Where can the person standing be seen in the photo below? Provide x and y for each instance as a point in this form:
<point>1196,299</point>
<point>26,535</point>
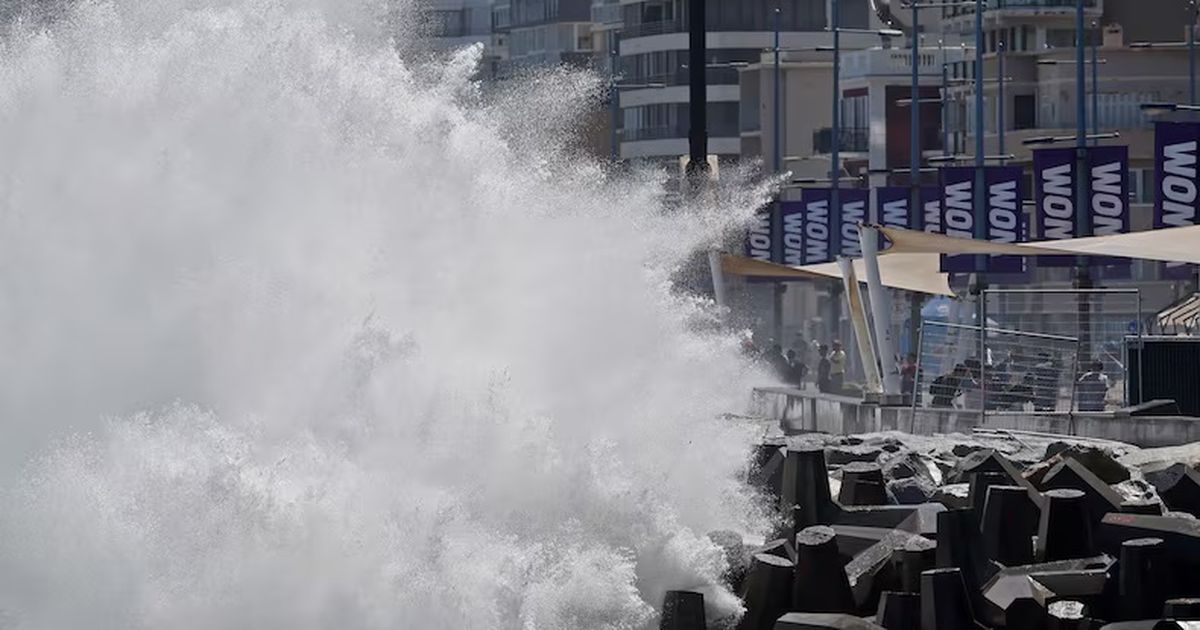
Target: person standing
<point>796,369</point>
<point>1092,389</point>
<point>908,374</point>
<point>823,368</point>
<point>837,368</point>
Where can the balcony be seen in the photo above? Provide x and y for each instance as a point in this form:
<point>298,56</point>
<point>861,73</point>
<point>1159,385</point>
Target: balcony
<point>652,28</point>
<point>968,8</point>
<point>851,140</point>
<point>653,133</point>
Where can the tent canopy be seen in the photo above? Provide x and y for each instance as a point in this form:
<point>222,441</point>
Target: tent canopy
<point>913,262</point>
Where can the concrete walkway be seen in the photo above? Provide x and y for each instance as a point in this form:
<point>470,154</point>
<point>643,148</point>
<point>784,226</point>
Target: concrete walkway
<point>799,411</point>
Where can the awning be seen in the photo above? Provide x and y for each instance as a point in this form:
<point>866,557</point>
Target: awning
<point>1179,244</point>
<point>908,272</point>
<point>913,262</point>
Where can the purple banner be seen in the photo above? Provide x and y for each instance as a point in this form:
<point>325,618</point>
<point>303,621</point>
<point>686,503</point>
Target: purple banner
<point>792,222</point>
<point>1175,145</point>
<point>957,184</point>
<point>891,206</point>
<point>931,203</point>
<point>1054,195</point>
<point>820,238</point>
<point>1003,214</point>
<point>760,237</point>
<point>853,210</point>
<point>1108,202</point>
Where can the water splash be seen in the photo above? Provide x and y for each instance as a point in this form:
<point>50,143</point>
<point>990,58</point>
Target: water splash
<point>306,336</point>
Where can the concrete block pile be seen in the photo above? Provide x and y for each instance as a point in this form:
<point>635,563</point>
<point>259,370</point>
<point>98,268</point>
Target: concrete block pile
<point>908,539</point>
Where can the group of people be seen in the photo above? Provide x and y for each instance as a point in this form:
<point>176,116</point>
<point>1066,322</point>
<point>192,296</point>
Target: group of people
<point>1013,384</point>
<point>1010,384</point>
<point>792,369</point>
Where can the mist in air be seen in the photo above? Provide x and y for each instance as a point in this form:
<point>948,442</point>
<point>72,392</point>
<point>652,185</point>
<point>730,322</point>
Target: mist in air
<point>300,328</point>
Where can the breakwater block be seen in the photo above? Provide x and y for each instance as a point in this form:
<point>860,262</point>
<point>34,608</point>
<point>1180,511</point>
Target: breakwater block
<point>1099,497</point>
<point>862,484</point>
<point>1067,615</point>
<point>899,611</point>
<point>1010,521</point>
<point>945,604</point>
<point>959,546</point>
<point>767,591</point>
<point>1179,487</point>
<point>977,489</point>
<point>823,621</point>
<point>821,583</point>
<point>1141,585</point>
<point>682,610</point>
<point>805,490</point>
<point>1182,608</point>
<point>1065,528</point>
<point>988,461</point>
<point>878,568</point>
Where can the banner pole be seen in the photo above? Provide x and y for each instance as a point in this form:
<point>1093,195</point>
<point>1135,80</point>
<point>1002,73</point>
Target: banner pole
<point>718,278</point>
<point>881,309</point>
<point>858,316</point>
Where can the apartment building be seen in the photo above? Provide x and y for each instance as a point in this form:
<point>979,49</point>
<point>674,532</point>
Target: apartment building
<point>654,49</point>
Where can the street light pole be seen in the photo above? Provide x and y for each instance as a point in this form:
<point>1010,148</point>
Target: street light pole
<point>777,158</point>
<point>916,217</point>
<point>777,288</point>
<point>614,104</point>
<point>1000,101</point>
<point>835,166</point>
<point>697,167</point>
<point>1082,214</point>
<point>945,109</point>
<point>1095,87</point>
<point>1191,40</point>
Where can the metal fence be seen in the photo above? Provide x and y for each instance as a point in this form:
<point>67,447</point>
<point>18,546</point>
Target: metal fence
<point>1008,370</point>
<point>1101,319</point>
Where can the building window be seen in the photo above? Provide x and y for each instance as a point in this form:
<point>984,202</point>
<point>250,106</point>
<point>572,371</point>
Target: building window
<point>1024,111</point>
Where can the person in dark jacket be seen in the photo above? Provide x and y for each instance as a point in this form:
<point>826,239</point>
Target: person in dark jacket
<point>823,366</point>
<point>797,370</point>
<point>1092,388</point>
<point>945,388</point>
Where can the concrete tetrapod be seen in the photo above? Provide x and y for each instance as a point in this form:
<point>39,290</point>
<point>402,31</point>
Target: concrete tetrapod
<point>767,591</point>
<point>1065,528</point>
<point>1182,608</point>
<point>820,584</point>
<point>1067,615</point>
<point>683,610</point>
<point>862,484</point>
<point>1141,588</point>
<point>899,611</point>
<point>1010,521</point>
<point>959,546</point>
<point>944,601</point>
<point>806,487</point>
<point>1099,498</point>
<point>823,621</point>
<point>977,489</point>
